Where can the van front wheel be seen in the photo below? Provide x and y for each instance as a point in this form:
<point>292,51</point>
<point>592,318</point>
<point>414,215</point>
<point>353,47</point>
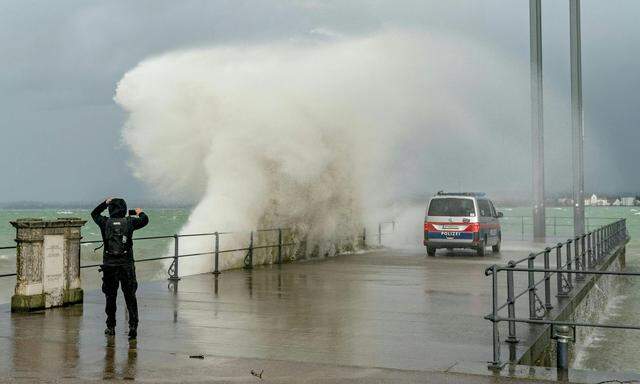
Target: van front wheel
<point>431,251</point>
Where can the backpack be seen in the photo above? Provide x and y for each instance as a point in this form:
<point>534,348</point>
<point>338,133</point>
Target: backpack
<point>116,235</point>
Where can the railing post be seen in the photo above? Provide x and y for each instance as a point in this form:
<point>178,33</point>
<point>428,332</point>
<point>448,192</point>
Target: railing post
<point>216,253</point>
<point>560,287</point>
<point>597,247</point>
<point>592,238</point>
<point>279,245</point>
<point>495,364</point>
<point>594,246</point>
<point>364,237</point>
<point>576,257</point>
<point>601,246</point>
<point>547,280</point>
<point>583,253</point>
<point>590,262</point>
<point>532,288</point>
<point>379,234</point>
<point>511,305</point>
<point>569,264</point>
<point>173,268</point>
<point>248,260</point>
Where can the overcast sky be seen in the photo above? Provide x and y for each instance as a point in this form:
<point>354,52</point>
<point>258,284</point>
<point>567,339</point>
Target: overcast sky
<point>60,62</point>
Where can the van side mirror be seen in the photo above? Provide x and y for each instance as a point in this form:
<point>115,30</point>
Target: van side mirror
<point>499,215</point>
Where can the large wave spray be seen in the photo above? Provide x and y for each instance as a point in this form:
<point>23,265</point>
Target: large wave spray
<point>304,133</point>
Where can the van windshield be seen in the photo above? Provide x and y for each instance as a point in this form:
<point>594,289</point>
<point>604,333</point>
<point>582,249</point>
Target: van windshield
<point>451,207</point>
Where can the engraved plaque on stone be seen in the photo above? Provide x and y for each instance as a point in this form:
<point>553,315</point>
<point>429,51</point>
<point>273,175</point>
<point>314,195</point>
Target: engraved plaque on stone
<point>53,279</point>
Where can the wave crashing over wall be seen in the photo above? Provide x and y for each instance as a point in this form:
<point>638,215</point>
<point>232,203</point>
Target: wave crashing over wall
<point>304,134</point>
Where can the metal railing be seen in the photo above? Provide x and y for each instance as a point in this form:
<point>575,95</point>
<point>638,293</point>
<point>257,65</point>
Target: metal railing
<point>215,252</point>
<point>575,259</point>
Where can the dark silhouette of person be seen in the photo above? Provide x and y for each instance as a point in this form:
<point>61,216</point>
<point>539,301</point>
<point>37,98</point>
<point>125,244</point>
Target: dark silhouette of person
<point>117,259</point>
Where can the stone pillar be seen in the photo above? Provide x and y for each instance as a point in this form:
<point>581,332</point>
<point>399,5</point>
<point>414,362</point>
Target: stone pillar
<point>47,263</point>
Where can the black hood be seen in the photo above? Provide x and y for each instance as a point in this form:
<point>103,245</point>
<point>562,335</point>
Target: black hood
<point>117,208</point>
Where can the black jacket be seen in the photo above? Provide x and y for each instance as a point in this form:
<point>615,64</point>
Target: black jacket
<point>118,209</point>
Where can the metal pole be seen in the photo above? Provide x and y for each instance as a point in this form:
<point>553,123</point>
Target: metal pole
<point>577,117</point>
<point>216,252</point>
<point>522,227</point>
<point>563,337</point>
<point>380,234</point>
<point>537,118</point>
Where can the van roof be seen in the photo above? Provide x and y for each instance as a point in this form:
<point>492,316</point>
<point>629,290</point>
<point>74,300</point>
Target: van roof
<point>467,194</point>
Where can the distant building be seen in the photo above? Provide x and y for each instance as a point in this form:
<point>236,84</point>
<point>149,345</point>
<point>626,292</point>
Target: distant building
<point>628,201</point>
<point>595,201</point>
<point>617,203</point>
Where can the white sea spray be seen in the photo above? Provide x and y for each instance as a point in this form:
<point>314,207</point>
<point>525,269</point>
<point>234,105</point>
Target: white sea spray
<point>312,134</point>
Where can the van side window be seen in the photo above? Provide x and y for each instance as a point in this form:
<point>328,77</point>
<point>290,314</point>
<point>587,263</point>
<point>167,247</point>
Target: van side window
<point>485,208</point>
<point>494,213</point>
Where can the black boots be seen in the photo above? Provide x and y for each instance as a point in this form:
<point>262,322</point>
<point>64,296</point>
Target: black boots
<point>133,332</point>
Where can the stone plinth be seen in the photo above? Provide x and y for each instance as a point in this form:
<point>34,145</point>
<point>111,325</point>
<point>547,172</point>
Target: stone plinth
<point>47,263</point>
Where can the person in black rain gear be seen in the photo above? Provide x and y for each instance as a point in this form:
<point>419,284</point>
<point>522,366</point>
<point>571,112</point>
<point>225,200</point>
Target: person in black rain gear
<point>117,260</point>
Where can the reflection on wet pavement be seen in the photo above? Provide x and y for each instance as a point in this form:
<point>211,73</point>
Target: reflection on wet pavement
<point>386,309</point>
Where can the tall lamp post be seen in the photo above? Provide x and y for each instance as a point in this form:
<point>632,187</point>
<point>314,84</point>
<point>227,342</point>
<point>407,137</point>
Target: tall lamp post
<point>537,119</point>
<point>577,128</point>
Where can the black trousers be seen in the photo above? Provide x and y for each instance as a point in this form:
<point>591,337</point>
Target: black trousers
<point>125,276</point>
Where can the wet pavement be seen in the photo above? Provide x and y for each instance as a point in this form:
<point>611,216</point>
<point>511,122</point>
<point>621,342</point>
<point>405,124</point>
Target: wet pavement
<point>381,316</point>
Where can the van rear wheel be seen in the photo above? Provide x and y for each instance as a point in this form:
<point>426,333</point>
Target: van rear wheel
<point>431,251</point>
<point>496,248</point>
<point>481,247</point>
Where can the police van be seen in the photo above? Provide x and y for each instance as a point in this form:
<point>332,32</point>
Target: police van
<point>461,220</point>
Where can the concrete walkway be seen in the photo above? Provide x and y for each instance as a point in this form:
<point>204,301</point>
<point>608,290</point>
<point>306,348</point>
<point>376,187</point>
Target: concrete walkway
<point>385,316</point>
